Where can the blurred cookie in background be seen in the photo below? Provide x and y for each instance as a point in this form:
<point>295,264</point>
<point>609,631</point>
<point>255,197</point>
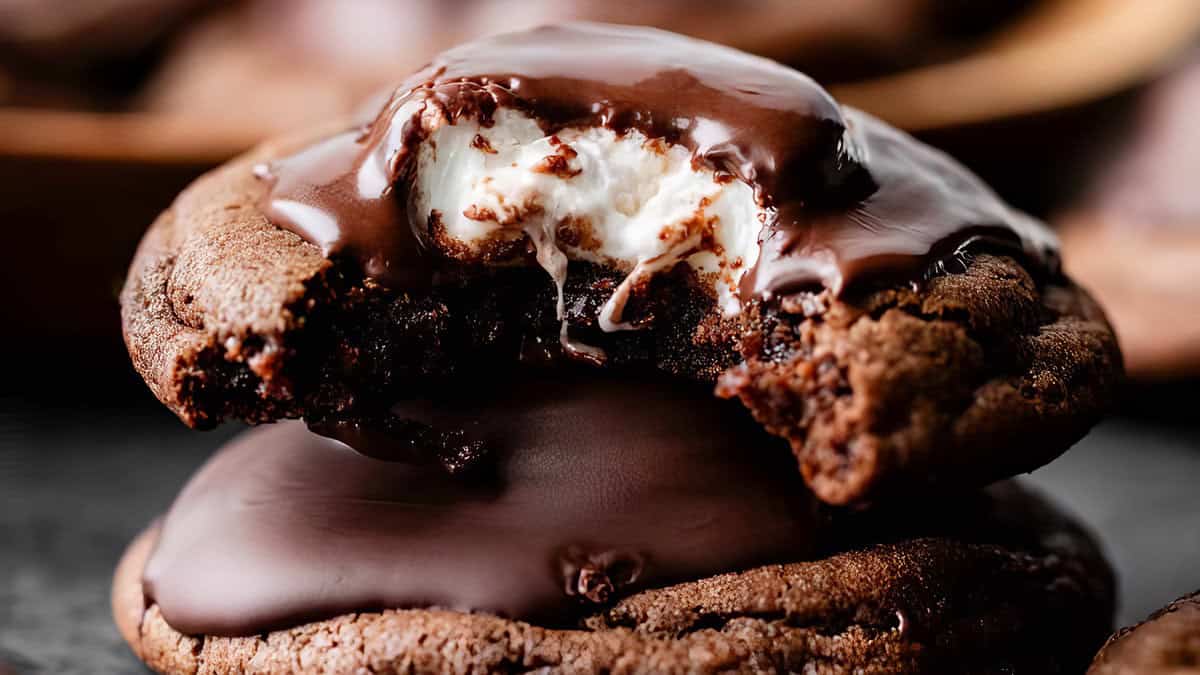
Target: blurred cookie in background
<point>282,63</point>
<point>1031,108</point>
<point>1166,643</point>
<point>1134,237</point>
<point>84,53</point>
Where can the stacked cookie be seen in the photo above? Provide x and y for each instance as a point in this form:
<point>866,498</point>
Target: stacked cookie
<point>615,351</point>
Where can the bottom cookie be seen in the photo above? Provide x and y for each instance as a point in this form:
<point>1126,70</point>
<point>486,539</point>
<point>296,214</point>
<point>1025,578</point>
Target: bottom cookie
<point>998,583</point>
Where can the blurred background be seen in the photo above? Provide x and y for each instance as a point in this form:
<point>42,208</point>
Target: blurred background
<point>1079,111</point>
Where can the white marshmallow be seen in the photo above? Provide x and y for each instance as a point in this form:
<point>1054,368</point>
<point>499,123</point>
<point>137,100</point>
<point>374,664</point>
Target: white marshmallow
<point>645,202</point>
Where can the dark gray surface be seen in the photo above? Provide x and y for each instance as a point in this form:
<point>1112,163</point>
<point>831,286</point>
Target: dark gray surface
<point>76,485</point>
<point>1137,484</point>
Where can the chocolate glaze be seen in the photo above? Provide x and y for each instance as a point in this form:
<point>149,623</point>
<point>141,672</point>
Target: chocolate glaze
<point>847,197</point>
<point>924,206</point>
<point>596,486</point>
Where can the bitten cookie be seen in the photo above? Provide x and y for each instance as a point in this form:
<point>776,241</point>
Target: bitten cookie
<point>676,206</point>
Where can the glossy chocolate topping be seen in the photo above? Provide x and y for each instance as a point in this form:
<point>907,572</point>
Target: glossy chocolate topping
<point>589,488</point>
<point>845,197</point>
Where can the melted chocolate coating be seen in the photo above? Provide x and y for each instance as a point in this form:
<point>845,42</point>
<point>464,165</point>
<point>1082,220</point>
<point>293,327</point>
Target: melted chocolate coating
<point>848,198</point>
<point>924,207</point>
<point>596,486</point>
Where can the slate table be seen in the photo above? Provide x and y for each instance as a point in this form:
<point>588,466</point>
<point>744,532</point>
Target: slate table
<point>77,482</point>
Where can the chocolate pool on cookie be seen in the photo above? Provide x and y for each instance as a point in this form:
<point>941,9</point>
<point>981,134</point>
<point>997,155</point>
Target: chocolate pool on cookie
<point>615,351</point>
<point>287,548</point>
<point>589,488</point>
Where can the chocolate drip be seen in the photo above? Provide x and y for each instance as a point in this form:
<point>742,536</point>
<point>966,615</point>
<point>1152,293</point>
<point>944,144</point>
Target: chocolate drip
<point>337,195</point>
<point>594,487</point>
<point>847,198</point>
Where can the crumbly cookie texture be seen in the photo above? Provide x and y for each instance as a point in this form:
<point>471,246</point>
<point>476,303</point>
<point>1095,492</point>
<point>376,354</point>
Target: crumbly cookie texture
<point>1022,590</point>
<point>977,373</point>
<point>977,376</point>
<point>1166,643</point>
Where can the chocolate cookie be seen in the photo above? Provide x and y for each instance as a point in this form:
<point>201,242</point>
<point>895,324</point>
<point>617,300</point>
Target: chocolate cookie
<point>1000,583</point>
<point>1166,643</point>
<point>866,297</point>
